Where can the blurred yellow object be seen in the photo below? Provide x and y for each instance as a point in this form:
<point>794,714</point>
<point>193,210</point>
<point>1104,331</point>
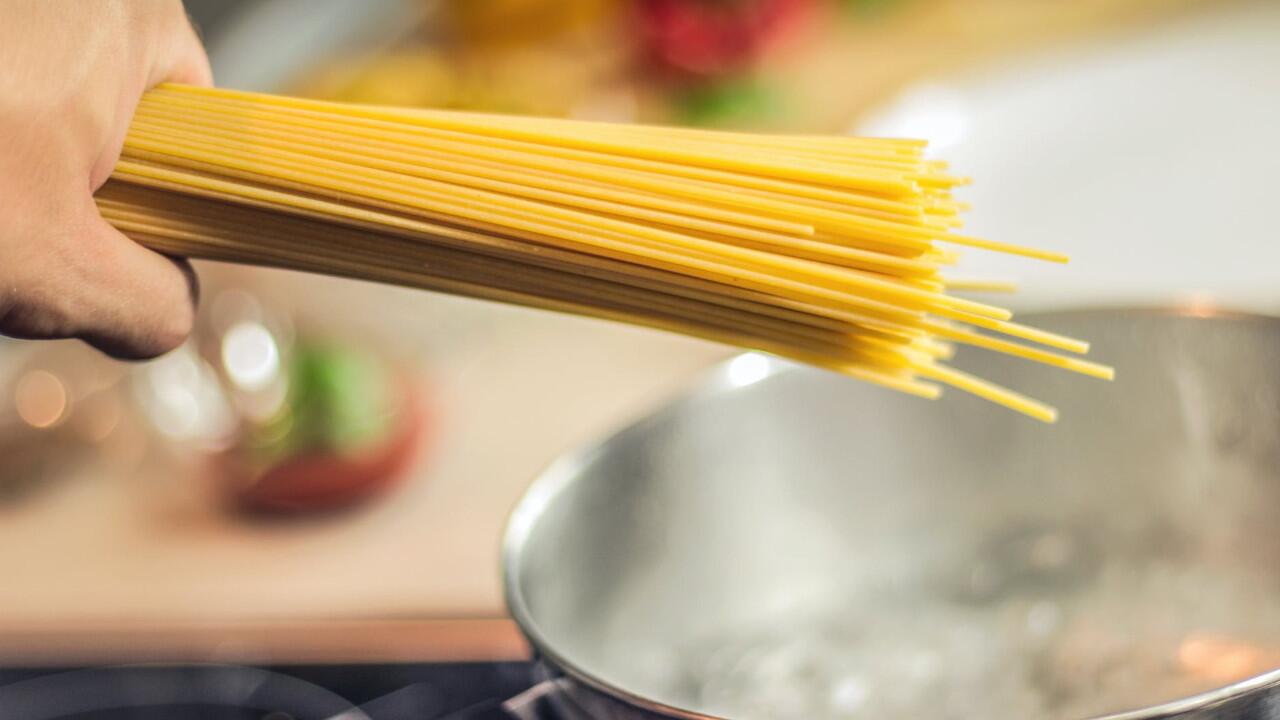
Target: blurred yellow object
<point>408,78</point>
<point>535,57</point>
<point>505,22</point>
<point>528,81</point>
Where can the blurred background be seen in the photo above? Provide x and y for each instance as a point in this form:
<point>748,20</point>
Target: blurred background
<point>323,472</point>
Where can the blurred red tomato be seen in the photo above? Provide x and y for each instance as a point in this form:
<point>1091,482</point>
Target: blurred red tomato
<point>709,38</point>
<point>328,480</point>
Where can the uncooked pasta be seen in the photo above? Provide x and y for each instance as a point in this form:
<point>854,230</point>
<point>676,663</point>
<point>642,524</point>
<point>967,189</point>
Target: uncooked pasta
<point>832,251</point>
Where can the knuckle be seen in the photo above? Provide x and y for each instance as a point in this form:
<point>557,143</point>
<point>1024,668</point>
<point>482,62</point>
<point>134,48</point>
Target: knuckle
<point>175,330</point>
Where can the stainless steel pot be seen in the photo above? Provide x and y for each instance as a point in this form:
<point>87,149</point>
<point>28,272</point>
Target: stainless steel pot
<point>786,543</point>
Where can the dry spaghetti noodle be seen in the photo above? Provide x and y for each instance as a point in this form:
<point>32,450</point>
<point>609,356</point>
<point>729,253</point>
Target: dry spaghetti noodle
<point>827,250</point>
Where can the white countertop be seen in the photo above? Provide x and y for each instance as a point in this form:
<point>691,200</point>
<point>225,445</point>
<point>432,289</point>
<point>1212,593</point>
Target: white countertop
<point>1152,159</point>
<point>511,389</point>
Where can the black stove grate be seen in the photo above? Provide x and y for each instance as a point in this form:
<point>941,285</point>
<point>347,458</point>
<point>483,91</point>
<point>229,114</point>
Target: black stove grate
<point>452,691</point>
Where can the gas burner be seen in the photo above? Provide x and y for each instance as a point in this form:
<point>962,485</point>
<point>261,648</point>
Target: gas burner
<point>460,691</point>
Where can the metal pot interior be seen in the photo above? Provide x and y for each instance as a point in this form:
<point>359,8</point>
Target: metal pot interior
<point>793,544</point>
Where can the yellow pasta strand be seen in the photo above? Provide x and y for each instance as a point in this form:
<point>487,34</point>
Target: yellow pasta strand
<point>825,250</point>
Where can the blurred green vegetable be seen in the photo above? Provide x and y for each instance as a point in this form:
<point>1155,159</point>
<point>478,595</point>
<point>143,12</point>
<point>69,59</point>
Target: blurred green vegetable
<point>338,400</point>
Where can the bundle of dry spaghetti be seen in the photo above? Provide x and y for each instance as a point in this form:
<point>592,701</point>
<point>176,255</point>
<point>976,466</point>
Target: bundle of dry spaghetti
<point>827,250</point>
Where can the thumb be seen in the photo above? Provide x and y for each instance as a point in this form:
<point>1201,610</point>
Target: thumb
<point>134,303</point>
<point>142,303</point>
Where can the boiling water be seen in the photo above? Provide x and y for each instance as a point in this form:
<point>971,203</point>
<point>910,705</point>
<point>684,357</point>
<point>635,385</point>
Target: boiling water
<point>1056,634</point>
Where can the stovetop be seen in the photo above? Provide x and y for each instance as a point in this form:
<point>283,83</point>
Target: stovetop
<point>458,691</point>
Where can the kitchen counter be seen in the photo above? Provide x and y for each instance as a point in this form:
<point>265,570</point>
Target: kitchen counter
<point>511,389</point>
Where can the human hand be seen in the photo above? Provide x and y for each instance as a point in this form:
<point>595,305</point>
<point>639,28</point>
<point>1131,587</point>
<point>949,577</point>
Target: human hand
<point>71,75</point>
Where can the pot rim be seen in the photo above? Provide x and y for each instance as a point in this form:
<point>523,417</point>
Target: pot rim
<point>567,469</point>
